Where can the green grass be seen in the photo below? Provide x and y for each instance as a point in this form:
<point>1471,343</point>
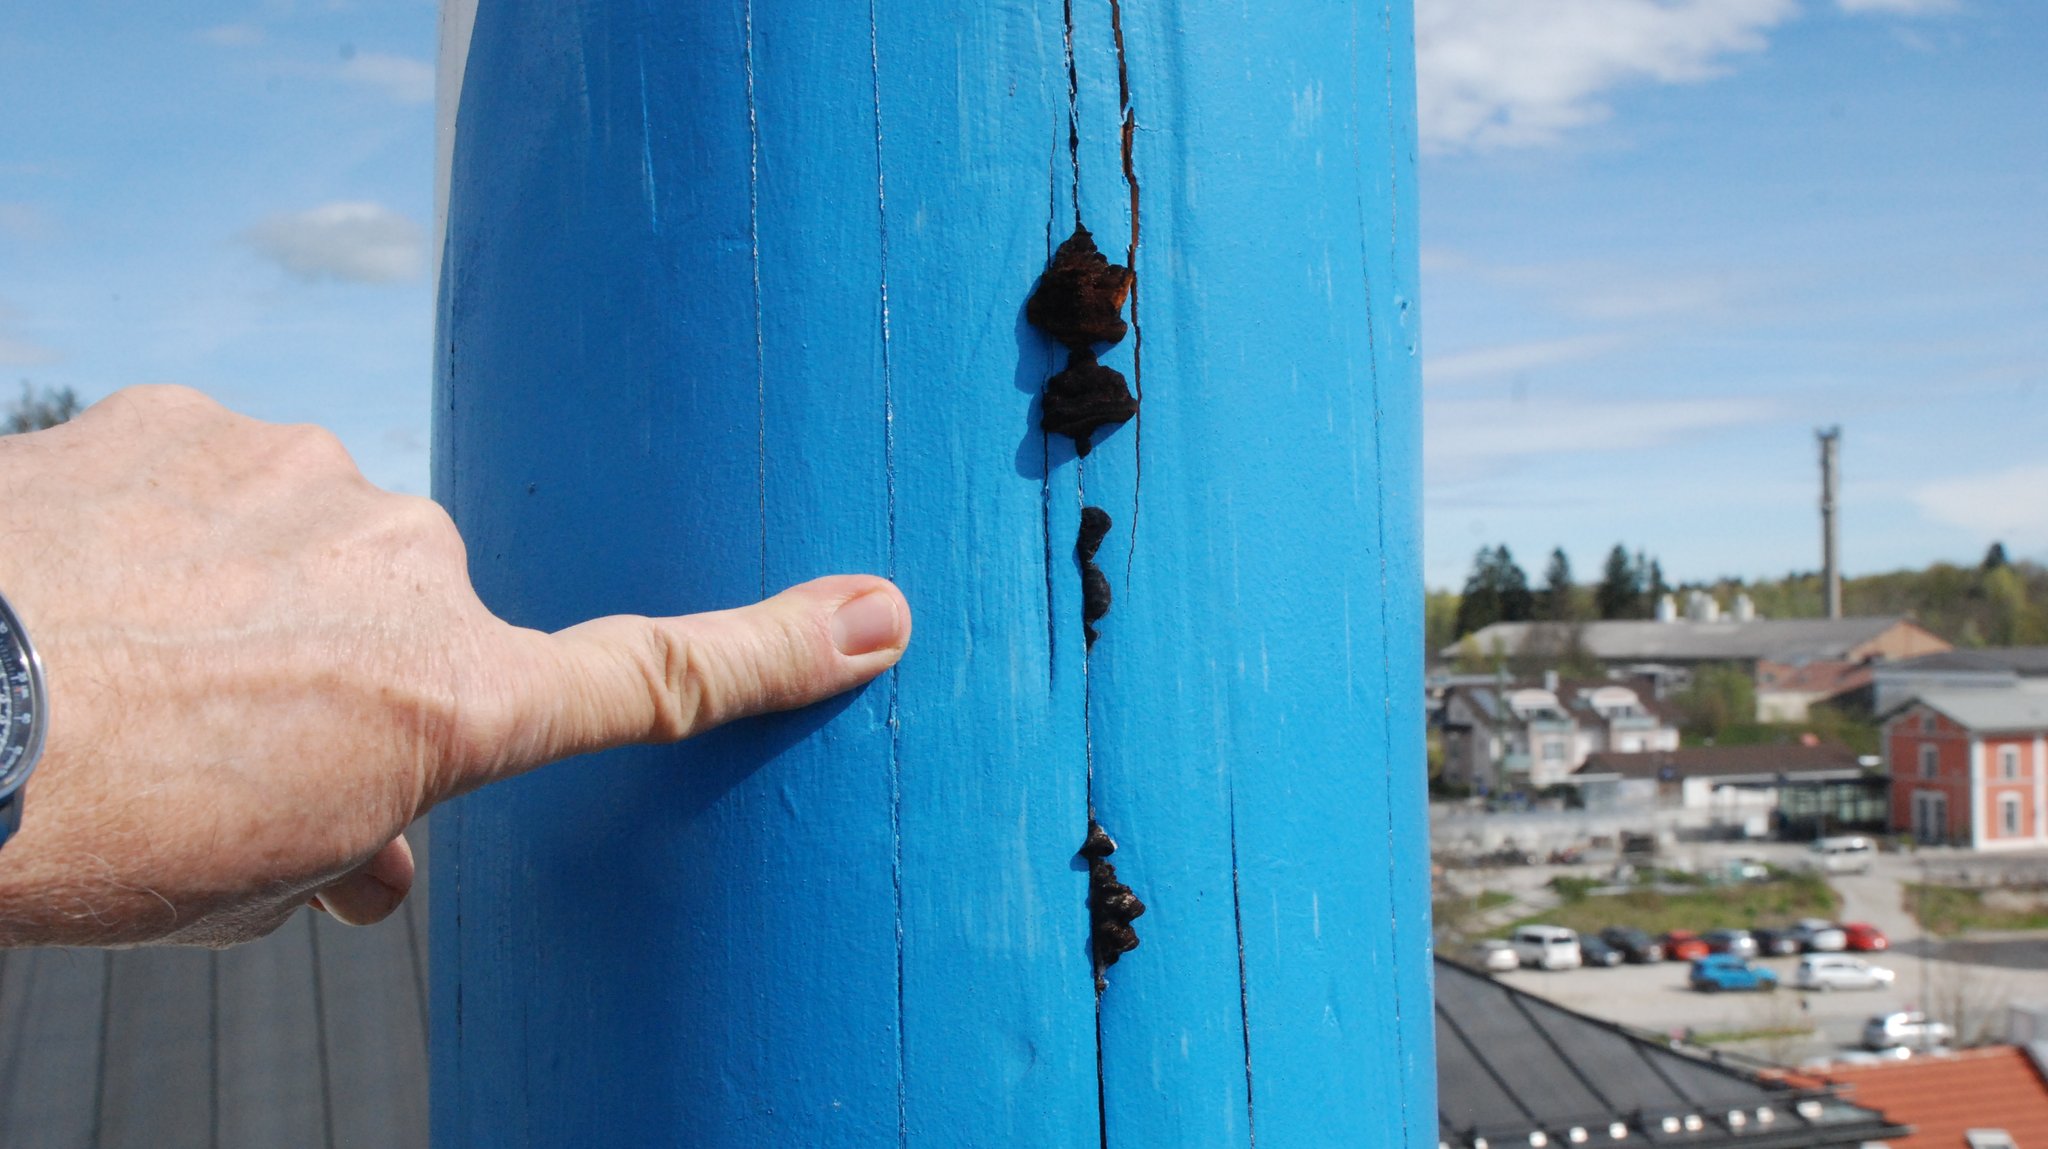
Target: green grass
<point>1741,906</point>
<point>1728,1036</point>
<point>1946,911</point>
<point>1494,899</point>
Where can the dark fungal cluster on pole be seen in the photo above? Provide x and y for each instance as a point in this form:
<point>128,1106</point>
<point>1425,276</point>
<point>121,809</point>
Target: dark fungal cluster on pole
<point>1079,303</point>
<point>1094,584</point>
<point>1112,904</point>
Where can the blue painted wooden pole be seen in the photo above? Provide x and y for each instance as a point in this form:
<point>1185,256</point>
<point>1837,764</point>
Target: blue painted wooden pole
<point>733,296</point>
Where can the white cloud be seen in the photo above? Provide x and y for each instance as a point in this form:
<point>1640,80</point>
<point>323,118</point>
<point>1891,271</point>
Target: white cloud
<point>1465,438</point>
<point>401,79</point>
<point>1510,73</point>
<point>1896,7</point>
<point>2009,503</point>
<point>1514,358</point>
<point>355,242</point>
<point>233,35</point>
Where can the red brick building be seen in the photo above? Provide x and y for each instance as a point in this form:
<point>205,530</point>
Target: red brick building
<point>1970,767</point>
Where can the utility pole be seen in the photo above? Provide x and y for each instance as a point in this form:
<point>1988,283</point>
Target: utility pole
<point>1830,561</point>
<point>733,295</point>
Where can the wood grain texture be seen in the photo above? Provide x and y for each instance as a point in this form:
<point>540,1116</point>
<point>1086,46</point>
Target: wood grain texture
<point>733,297</point>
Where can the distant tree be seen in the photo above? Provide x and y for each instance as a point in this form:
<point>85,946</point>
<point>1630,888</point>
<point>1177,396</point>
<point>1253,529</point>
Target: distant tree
<point>1439,621</point>
<point>39,409</point>
<point>1721,695</point>
<point>1993,558</point>
<point>1496,591</point>
<point>1620,592</point>
<point>1559,600</point>
<point>1654,586</point>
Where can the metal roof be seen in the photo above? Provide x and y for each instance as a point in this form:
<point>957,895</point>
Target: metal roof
<point>314,1037</point>
<point>1776,639</point>
<point>2028,661</point>
<point>1516,1070</point>
<point>2022,706</point>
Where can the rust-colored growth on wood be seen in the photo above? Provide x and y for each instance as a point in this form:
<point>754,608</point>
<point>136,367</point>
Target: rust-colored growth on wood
<point>1080,298</point>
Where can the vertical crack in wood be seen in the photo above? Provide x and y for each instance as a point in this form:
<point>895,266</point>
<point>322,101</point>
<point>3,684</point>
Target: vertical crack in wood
<point>1355,131</point>
<point>1244,992</point>
<point>754,253</point>
<point>889,471</point>
<point>1073,105</point>
<point>1130,124</point>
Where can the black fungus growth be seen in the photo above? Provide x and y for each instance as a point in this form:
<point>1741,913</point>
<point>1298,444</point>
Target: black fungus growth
<point>1094,584</point>
<point>1112,907</point>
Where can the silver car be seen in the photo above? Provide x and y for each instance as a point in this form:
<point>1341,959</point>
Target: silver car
<point>1908,1028</point>
<point>1826,972</point>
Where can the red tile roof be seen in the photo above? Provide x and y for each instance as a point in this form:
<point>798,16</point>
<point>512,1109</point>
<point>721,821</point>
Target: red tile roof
<point>1998,1087</point>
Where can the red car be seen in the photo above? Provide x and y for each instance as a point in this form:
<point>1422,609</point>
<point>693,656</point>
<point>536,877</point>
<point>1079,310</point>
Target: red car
<point>1863,936</point>
<point>1684,945</point>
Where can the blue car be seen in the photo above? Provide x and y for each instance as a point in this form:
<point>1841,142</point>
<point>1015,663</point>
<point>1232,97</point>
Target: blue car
<point>1716,972</point>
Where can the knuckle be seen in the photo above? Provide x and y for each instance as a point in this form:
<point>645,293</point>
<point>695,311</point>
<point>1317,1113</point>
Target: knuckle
<point>681,684</point>
<point>429,523</point>
<point>310,445</point>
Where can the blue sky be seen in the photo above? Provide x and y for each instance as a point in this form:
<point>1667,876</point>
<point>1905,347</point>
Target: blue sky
<point>1662,241</point>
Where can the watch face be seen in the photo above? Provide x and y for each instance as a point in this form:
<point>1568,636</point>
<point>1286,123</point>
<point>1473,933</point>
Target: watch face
<point>21,704</point>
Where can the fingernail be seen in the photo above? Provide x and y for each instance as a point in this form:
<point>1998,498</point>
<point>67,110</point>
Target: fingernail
<point>866,624</point>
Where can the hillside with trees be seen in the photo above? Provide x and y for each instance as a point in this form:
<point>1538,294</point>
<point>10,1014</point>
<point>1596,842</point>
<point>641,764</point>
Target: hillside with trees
<point>1997,602</point>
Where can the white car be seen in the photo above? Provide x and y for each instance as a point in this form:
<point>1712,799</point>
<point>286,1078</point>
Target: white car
<point>1548,947</point>
<point>1824,972</point>
<point>1908,1027</point>
<point>1818,935</point>
<point>1495,955</point>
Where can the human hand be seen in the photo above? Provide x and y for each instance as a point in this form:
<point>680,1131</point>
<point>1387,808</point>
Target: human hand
<point>261,668</point>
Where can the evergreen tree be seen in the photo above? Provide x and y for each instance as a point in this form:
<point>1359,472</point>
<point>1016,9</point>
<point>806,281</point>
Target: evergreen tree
<point>1496,591</point>
<point>1559,601</point>
<point>1994,558</point>
<point>1620,593</point>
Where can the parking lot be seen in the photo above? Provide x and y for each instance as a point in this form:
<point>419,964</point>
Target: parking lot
<point>1791,1027</point>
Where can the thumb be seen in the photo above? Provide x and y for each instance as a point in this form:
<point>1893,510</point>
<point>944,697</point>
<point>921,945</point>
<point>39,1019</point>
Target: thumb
<point>369,893</point>
<point>625,679</point>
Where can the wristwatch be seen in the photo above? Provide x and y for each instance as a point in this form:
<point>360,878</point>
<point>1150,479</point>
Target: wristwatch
<point>24,716</point>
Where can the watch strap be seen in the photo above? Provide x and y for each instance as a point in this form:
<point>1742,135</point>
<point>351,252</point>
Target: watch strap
<point>10,815</point>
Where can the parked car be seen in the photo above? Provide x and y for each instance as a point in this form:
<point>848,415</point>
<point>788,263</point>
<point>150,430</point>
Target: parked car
<point>1684,945</point>
<point>1906,1027</point>
<point>1495,955</point>
<point>1737,942</point>
<point>1818,935</point>
<point>1840,971</point>
<point>1776,941</point>
<point>1594,952</point>
<point>1850,854</point>
<point>1717,972</point>
<point>1863,937</point>
<point>1547,947</point>
<point>1635,945</point>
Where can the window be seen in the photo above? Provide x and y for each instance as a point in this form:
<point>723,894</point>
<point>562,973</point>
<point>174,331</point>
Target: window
<point>1930,760</point>
<point>2008,762</point>
<point>2009,816</point>
<point>1927,723</point>
<point>1553,751</point>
